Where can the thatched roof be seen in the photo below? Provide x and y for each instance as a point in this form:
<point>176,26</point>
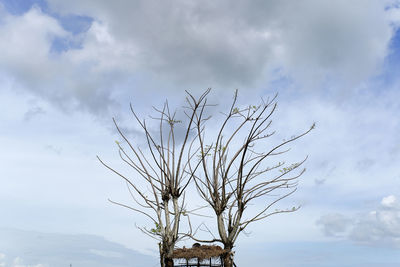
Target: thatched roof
<point>201,252</point>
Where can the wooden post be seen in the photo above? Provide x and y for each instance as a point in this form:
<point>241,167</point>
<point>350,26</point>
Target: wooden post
<point>210,262</point>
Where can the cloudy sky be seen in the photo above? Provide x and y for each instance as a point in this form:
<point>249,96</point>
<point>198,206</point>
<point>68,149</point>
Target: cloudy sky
<point>68,67</point>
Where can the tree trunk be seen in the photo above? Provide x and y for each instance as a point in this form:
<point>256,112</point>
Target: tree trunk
<point>166,259</point>
<point>228,261</point>
<point>162,263</point>
<point>169,262</point>
<point>166,252</point>
<point>228,257</point>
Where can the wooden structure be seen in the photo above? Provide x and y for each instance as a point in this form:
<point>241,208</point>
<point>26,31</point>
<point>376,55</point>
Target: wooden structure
<point>199,256</point>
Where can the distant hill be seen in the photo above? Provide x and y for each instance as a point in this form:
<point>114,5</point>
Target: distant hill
<point>35,249</point>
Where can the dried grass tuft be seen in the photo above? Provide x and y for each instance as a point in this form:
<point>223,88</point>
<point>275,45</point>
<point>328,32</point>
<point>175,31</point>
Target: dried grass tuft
<point>201,252</point>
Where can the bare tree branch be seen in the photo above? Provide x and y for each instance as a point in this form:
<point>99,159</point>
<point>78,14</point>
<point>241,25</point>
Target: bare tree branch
<point>235,172</point>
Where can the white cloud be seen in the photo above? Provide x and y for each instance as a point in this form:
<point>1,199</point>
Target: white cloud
<point>18,262</point>
<point>2,259</point>
<point>103,52</point>
<point>389,201</point>
<point>75,78</point>
<point>27,50</point>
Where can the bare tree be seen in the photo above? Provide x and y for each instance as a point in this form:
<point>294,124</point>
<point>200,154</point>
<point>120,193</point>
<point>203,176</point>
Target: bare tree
<point>234,172</point>
<point>163,167</point>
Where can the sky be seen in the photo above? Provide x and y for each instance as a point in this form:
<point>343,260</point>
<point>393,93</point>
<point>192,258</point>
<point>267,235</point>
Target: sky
<point>68,67</point>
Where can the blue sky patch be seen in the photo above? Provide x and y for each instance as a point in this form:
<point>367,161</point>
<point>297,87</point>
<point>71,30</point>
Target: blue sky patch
<point>74,23</point>
<point>19,7</point>
<point>394,56</point>
<point>391,66</point>
<point>60,45</point>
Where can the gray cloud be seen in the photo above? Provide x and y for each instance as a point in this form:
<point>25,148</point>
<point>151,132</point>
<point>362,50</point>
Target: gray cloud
<point>334,224</point>
<point>33,112</point>
<point>381,226</point>
<point>54,149</point>
<point>190,43</point>
<point>233,43</point>
<point>324,177</point>
<point>365,164</point>
<point>377,227</point>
